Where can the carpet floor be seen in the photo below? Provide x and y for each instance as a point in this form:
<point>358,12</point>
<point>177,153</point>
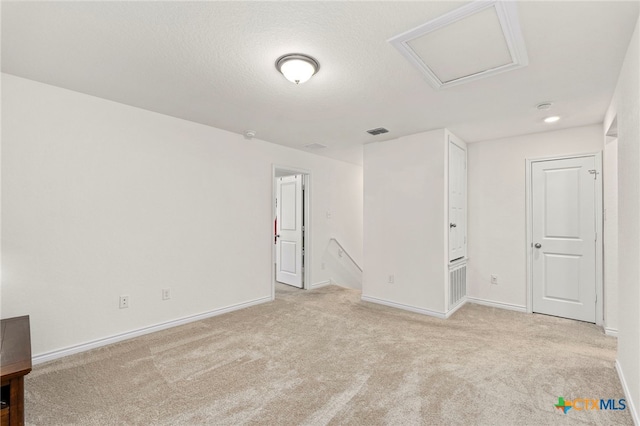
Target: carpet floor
<point>324,357</point>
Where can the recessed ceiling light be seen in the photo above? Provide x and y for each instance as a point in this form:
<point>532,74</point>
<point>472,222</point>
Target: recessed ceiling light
<point>296,67</point>
<point>552,119</point>
<point>544,106</point>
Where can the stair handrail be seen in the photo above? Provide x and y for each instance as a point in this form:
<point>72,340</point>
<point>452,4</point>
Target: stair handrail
<point>347,253</point>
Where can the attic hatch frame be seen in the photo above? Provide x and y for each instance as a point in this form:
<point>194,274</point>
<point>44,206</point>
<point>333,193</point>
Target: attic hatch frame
<point>508,16</point>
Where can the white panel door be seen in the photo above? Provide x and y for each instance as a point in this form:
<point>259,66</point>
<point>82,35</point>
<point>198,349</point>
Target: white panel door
<point>563,238</point>
<point>457,202</point>
<point>289,230</point>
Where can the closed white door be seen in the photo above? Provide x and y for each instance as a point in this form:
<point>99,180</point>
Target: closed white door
<point>564,237</point>
<point>457,202</point>
<point>289,230</point>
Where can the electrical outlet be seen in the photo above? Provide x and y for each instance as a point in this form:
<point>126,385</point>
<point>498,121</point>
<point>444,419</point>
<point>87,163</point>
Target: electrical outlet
<point>124,302</point>
<point>494,279</point>
<point>166,294</point>
<point>391,279</point>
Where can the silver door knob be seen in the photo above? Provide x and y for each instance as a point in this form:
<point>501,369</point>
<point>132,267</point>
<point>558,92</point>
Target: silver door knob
<point>537,245</point>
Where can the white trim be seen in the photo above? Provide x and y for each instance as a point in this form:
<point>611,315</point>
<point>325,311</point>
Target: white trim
<point>499,305</point>
<point>321,284</point>
<point>599,244</point>
<point>404,307</point>
<point>59,353</point>
<point>599,241</point>
<point>529,235</point>
<point>613,332</point>
<point>306,281</point>
<point>460,304</point>
<point>630,405</point>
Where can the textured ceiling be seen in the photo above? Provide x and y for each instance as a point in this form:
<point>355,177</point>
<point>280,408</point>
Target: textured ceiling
<point>213,63</point>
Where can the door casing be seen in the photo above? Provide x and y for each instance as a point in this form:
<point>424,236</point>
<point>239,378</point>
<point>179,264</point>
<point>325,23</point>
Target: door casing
<point>599,242</point>
<point>306,284</point>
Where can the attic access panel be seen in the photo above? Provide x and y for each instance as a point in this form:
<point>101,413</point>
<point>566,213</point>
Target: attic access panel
<point>480,39</point>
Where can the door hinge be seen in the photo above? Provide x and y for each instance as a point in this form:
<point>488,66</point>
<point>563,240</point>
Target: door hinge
<point>596,297</point>
<point>595,173</point>
<point>596,237</point>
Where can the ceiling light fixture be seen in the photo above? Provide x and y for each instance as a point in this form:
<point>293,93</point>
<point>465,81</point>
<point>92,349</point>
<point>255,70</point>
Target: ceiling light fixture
<point>296,67</point>
<point>545,106</point>
<point>552,119</point>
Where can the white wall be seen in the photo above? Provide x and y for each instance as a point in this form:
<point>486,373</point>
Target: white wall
<point>101,199</point>
<point>626,107</point>
<point>497,214</point>
<point>404,193</point>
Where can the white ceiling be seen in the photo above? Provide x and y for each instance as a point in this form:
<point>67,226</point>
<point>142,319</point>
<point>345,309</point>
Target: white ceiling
<point>213,63</point>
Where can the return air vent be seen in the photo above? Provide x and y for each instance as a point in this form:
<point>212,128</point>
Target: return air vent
<point>315,146</point>
<point>478,40</point>
<point>378,131</point>
<point>457,284</point>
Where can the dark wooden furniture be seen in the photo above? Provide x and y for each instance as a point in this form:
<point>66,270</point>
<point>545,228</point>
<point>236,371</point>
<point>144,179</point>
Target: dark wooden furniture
<point>15,363</point>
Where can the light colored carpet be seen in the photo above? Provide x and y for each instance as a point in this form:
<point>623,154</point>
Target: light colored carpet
<point>324,357</point>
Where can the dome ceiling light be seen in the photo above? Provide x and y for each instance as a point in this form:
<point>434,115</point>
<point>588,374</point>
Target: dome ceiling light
<point>296,67</point>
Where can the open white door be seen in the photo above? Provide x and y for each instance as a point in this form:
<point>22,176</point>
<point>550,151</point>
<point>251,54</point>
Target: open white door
<point>289,230</point>
<point>457,202</point>
<point>563,261</point>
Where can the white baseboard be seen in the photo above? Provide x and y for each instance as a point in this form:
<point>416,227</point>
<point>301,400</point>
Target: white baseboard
<point>321,284</point>
<point>500,305</point>
<point>613,332</point>
<point>402,306</point>
<point>630,405</point>
<point>59,353</point>
<point>455,308</point>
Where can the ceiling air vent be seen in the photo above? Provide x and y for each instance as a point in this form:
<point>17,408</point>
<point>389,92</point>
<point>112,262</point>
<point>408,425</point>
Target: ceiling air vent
<point>315,146</point>
<point>480,39</point>
<point>378,131</point>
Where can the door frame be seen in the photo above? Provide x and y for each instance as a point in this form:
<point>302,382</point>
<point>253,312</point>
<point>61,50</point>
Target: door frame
<point>306,181</point>
<point>599,242</point>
